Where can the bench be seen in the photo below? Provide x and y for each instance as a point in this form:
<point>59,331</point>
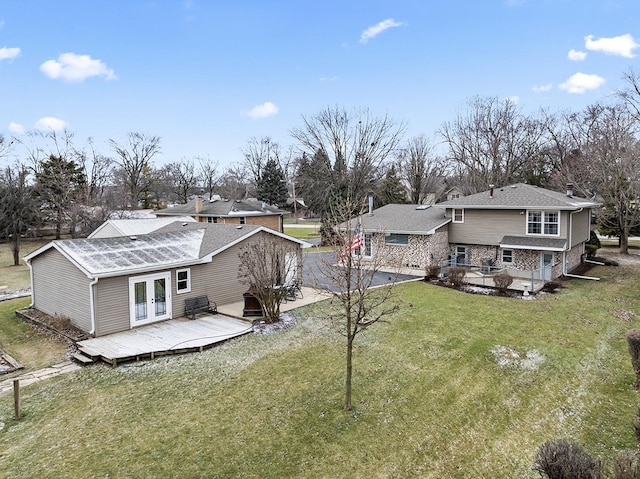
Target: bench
<point>199,304</point>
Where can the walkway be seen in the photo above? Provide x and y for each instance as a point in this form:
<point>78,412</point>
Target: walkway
<point>6,386</point>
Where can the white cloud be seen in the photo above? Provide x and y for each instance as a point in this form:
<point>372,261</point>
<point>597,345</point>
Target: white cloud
<point>17,128</point>
<point>325,79</point>
<point>542,88</point>
<point>51,123</point>
<point>9,53</point>
<point>622,45</point>
<point>1,23</point>
<point>513,99</point>
<point>576,55</point>
<point>72,67</point>
<point>581,82</point>
<point>263,111</point>
<point>376,30</point>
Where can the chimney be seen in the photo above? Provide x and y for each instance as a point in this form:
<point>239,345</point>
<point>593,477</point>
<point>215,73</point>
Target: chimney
<point>490,191</point>
<point>370,204</point>
<point>569,189</point>
<point>198,204</point>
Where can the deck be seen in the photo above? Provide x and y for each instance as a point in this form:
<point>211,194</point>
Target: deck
<point>167,337</point>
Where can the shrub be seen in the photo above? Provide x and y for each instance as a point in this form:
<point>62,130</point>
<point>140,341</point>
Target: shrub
<point>432,271</point>
<point>592,245</point>
<point>551,286</point>
<point>633,342</point>
<point>456,276</point>
<point>502,281</point>
<point>563,459</point>
<point>626,465</point>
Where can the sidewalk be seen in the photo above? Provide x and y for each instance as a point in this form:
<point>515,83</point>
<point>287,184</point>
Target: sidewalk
<point>6,386</point>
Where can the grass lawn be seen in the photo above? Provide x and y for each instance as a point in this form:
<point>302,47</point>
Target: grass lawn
<point>302,233</point>
<point>431,399</point>
<point>16,277</point>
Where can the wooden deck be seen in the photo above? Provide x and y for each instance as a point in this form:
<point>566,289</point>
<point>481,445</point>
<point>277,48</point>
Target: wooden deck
<point>167,337</point>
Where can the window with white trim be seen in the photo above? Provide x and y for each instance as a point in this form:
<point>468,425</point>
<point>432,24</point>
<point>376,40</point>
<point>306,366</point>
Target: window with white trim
<point>243,220</point>
<point>457,215</point>
<point>212,219</point>
<point>507,256</point>
<point>543,222</point>
<point>183,281</point>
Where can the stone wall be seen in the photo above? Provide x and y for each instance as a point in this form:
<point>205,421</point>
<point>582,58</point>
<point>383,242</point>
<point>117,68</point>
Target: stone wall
<point>422,250</point>
<point>574,257</point>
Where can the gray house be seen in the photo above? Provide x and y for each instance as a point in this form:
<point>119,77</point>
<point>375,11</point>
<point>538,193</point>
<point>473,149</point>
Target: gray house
<point>520,228</point>
<point>107,285</point>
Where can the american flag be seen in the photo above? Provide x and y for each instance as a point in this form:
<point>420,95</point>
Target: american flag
<point>357,240</point>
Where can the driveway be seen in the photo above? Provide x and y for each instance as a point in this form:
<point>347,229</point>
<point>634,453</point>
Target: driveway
<point>313,277</point>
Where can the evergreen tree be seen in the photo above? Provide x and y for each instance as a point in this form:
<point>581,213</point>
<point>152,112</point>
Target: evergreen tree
<point>272,186</point>
<point>18,211</point>
<point>392,190</point>
<point>59,184</point>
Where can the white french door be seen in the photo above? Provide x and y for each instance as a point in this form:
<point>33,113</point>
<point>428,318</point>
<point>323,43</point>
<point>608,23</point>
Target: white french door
<point>149,298</point>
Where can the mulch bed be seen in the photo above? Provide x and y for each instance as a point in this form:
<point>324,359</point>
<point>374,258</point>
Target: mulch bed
<point>56,325</point>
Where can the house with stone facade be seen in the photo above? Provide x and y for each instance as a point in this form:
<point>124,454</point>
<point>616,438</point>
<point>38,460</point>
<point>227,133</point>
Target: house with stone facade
<point>414,236</point>
<point>520,228</point>
<point>235,212</point>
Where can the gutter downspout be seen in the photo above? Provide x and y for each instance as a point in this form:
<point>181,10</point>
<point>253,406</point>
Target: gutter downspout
<point>30,281</point>
<point>92,306</point>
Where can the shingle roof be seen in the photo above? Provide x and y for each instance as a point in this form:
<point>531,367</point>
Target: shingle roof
<point>518,196</point>
<point>222,208</point>
<point>395,218</point>
<point>128,227</point>
<point>532,242</point>
<point>177,244</point>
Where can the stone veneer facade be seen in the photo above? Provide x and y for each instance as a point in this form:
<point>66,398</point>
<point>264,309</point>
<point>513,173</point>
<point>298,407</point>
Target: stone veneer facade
<point>422,250</point>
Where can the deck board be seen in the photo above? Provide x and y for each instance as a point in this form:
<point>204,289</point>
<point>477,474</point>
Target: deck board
<point>164,337</point>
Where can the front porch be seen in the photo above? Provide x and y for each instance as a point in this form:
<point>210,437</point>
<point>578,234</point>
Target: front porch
<point>173,336</point>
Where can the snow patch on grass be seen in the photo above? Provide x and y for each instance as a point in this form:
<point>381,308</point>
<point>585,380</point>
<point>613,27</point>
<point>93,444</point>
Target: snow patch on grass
<point>505,357</point>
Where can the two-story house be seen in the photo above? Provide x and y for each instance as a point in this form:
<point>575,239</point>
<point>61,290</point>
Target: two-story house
<point>521,228</point>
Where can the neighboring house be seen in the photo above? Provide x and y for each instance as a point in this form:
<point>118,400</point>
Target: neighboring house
<point>520,228</point>
<point>133,227</point>
<point>107,285</point>
<point>229,212</point>
<point>414,236</point>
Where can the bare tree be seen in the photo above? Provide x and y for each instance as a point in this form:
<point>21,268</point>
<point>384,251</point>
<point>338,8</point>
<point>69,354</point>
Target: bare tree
<point>348,279</point>
<point>267,265</point>
<point>234,184</point>
<point>208,173</point>
<point>492,142</point>
<point>355,144</point>
<point>182,178</point>
<point>420,168</point>
<point>135,158</point>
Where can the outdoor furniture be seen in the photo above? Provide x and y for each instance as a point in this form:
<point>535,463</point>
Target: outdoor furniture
<point>199,304</point>
<point>252,307</point>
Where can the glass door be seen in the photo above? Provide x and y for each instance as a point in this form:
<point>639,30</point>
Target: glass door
<point>149,298</point>
<point>546,265</point>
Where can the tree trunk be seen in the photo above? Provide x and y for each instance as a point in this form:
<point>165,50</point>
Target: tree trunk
<point>624,240</point>
<point>347,385</point>
<point>15,247</point>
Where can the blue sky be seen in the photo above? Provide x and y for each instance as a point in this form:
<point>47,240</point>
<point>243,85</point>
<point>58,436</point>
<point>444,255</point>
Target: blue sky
<point>207,76</point>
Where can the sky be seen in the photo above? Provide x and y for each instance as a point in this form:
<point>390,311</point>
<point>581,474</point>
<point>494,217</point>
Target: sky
<point>207,76</point>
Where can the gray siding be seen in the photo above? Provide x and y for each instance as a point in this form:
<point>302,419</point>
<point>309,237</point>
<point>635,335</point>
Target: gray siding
<point>107,231</point>
<point>112,305</point>
<point>488,227</point>
<point>581,227</point>
<point>59,288</point>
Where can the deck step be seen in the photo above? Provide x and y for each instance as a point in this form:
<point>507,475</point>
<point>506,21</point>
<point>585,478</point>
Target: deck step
<point>82,358</point>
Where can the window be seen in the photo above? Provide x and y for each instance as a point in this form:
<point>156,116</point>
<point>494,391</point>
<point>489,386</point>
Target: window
<point>543,222</point>
<point>243,220</point>
<point>458,215</point>
<point>507,256</point>
<point>211,219</point>
<point>183,281</point>
<point>396,239</point>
